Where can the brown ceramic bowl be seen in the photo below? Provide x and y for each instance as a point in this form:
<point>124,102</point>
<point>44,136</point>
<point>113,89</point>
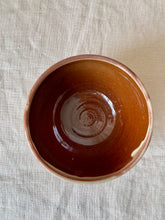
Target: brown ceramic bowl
<point>88,118</point>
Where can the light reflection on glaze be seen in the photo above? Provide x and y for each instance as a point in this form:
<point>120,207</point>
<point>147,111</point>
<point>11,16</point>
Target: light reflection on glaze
<point>60,140</point>
<point>87,118</point>
<point>143,142</point>
<point>137,149</point>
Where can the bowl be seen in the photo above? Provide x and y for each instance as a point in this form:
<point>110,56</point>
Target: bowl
<point>88,118</point>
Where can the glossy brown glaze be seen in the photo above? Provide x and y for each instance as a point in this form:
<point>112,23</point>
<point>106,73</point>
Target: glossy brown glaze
<point>87,118</point>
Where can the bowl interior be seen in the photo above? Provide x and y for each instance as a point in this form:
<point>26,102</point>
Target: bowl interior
<point>88,118</point>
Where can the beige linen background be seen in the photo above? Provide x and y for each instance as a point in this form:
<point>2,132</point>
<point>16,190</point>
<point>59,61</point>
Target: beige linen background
<point>36,34</point>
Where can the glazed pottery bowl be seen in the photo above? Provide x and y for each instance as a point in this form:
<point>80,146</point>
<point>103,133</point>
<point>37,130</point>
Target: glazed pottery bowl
<point>88,118</point>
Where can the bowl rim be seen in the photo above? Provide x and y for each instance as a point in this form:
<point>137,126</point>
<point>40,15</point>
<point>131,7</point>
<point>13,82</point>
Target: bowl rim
<point>140,150</point>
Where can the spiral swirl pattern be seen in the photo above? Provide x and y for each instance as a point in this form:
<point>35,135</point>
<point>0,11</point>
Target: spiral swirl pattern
<point>87,117</point>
